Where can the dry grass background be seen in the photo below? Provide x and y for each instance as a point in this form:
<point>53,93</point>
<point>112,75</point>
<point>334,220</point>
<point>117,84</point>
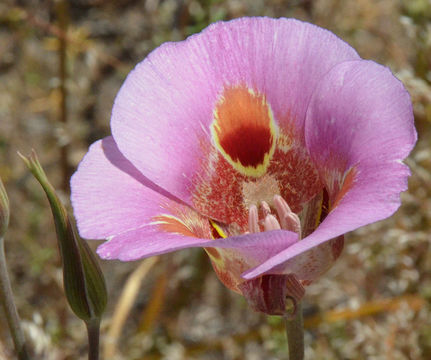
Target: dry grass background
<point>373,304</point>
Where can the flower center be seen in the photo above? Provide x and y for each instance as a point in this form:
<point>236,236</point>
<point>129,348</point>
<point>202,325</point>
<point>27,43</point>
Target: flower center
<point>252,155</point>
<point>254,191</point>
<point>286,219</point>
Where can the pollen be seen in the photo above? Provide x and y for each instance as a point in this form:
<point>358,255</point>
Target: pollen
<point>244,130</point>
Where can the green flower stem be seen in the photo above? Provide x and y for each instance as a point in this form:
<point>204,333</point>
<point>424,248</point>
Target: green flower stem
<point>295,334</point>
<point>6,299</point>
<point>93,331</point>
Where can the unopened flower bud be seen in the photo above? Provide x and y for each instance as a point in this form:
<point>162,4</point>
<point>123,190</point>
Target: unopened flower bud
<point>84,283</point>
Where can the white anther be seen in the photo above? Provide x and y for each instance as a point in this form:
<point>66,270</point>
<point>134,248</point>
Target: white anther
<point>266,210</point>
<point>271,223</point>
<point>288,219</point>
<point>253,219</point>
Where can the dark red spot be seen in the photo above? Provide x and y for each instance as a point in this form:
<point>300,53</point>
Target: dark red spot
<point>243,126</point>
<point>248,144</point>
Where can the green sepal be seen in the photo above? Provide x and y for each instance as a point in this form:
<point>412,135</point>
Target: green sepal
<point>84,283</point>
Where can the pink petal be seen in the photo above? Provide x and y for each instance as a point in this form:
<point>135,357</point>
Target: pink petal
<point>360,118</point>
<point>148,240</point>
<point>162,114</point>
<point>109,195</point>
<point>360,113</point>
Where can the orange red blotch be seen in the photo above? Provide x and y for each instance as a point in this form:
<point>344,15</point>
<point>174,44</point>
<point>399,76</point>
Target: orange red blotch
<point>244,130</point>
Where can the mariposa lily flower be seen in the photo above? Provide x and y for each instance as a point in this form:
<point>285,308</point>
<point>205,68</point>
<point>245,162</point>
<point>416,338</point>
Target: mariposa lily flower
<point>262,141</point>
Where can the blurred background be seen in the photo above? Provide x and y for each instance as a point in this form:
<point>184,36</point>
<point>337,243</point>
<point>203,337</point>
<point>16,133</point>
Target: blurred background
<point>61,65</point>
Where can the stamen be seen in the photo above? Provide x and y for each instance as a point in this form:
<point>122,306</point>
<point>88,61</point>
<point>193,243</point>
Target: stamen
<point>292,223</point>
<point>266,210</point>
<point>271,223</point>
<point>288,219</point>
<point>253,220</point>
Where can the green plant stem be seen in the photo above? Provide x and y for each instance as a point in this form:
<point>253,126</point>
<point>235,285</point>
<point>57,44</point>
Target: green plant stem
<point>93,331</point>
<point>6,299</point>
<point>295,334</point>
